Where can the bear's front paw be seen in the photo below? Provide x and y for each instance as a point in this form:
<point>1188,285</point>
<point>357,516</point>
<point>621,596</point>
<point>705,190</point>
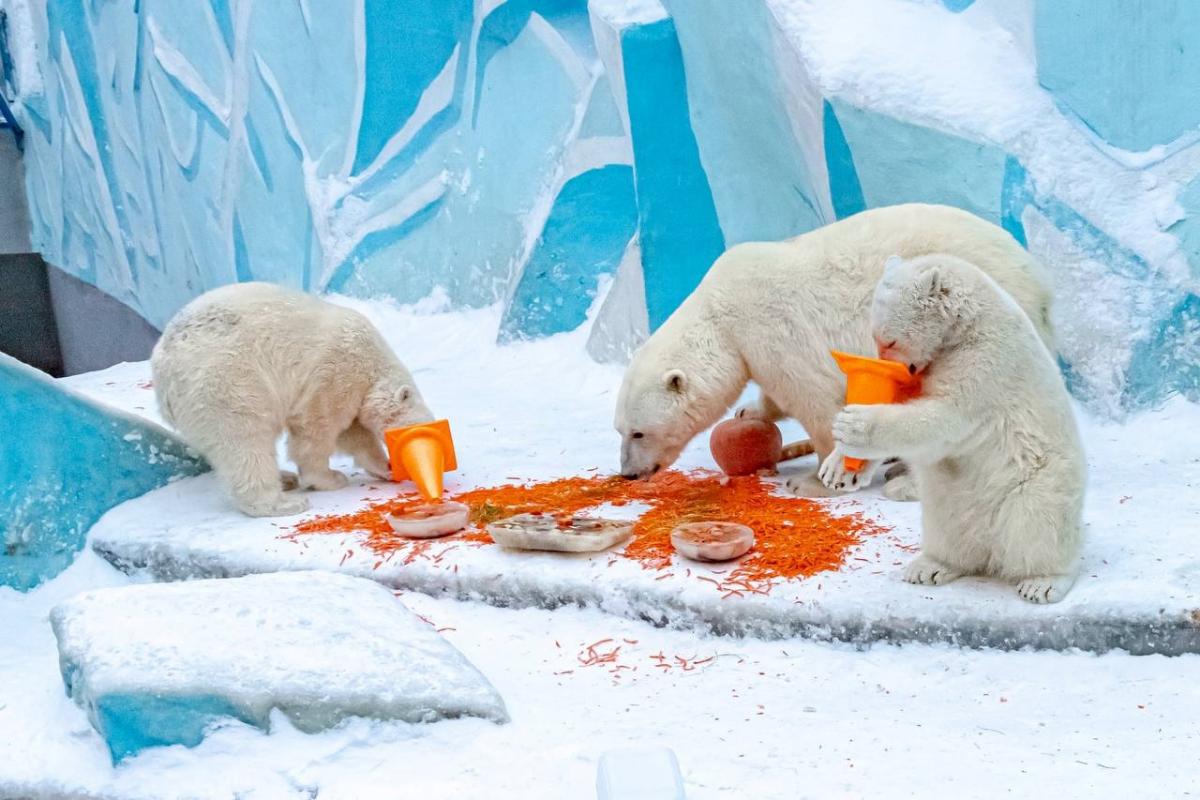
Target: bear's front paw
<point>807,484</point>
<point>834,475</point>
<point>380,471</point>
<point>1045,588</point>
<point>901,488</point>
<point>325,481</point>
<point>374,466</point>
<point>752,411</point>
<point>929,572</point>
<point>855,429</point>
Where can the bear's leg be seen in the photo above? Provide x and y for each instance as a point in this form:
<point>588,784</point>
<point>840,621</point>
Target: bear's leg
<point>928,571</point>
<point>830,472</point>
<point>244,458</point>
<point>288,480</point>
<point>899,483</point>
<point>765,409</point>
<point>1038,540</point>
<point>947,552</point>
<point>311,450</point>
<point>835,475</point>
<point>359,443</point>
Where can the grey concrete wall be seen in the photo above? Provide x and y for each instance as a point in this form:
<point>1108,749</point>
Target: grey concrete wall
<point>94,330</point>
<point>14,215</point>
<point>27,331</point>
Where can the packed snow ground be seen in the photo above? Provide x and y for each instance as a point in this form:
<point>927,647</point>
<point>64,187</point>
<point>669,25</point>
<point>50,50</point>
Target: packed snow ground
<point>785,718</point>
<point>546,412</point>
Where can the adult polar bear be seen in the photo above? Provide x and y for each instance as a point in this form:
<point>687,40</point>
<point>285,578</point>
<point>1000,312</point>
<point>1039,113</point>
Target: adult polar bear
<point>772,311</point>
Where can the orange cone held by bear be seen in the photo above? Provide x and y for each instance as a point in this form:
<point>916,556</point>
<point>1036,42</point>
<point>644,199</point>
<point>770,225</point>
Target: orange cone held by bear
<point>870,381</point>
<point>422,453</point>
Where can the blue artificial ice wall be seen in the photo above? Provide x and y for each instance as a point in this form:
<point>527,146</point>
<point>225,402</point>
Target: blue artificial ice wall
<point>535,152</point>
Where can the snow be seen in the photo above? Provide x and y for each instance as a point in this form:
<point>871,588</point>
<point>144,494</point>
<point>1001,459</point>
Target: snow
<point>763,715</point>
<point>158,663</point>
<point>968,75</point>
<point>764,718</point>
<point>1130,595</point>
<point>626,13</point>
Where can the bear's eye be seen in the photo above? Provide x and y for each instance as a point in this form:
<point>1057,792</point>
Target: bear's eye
<point>637,435</point>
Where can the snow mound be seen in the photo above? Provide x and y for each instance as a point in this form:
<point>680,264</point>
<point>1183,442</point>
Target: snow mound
<point>161,664</point>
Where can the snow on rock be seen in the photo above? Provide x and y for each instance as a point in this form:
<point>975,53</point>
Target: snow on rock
<point>1128,598</point>
<point>933,102</point>
<point>161,664</point>
<point>1139,587</point>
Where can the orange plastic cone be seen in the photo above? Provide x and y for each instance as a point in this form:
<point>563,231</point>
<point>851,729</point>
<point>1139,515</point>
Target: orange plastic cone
<point>422,453</point>
<point>870,381</point>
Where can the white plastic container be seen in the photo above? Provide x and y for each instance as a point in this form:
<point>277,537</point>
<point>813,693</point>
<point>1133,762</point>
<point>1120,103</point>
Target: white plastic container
<point>639,773</point>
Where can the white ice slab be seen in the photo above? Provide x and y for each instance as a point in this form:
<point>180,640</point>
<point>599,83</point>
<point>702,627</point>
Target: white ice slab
<point>159,664</point>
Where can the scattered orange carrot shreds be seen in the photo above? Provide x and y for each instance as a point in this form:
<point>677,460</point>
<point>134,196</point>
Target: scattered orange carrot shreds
<point>794,538</point>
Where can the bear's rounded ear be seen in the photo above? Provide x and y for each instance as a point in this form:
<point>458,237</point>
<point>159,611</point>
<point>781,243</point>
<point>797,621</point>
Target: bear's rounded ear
<point>934,283</point>
<point>892,262</point>
<point>674,380</point>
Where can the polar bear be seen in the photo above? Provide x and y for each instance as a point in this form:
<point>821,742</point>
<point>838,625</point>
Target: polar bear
<point>772,311</point>
<point>991,440</point>
<point>240,364</point>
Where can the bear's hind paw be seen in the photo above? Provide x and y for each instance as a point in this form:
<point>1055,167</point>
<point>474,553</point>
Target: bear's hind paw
<point>1045,588</point>
<point>929,572</point>
<point>325,481</point>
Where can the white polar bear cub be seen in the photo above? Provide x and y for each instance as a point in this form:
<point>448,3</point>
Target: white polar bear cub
<point>240,364</point>
<point>991,440</point>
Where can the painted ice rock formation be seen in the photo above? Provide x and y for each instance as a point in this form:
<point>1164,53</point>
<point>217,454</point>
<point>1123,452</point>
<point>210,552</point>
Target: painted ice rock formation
<point>582,163</point>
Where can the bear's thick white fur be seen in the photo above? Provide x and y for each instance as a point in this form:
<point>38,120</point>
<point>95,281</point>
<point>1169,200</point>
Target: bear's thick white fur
<point>991,440</point>
<point>772,311</point>
<point>239,365</point>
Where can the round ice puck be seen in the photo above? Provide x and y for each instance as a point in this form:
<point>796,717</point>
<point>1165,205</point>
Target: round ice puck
<point>430,520</point>
<point>712,541</point>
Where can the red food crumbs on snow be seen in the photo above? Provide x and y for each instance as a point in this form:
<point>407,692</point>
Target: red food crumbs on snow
<point>794,538</point>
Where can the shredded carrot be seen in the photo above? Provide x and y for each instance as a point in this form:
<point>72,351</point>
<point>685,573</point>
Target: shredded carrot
<point>794,538</point>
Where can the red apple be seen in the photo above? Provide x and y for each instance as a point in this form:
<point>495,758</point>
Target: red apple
<point>744,446</point>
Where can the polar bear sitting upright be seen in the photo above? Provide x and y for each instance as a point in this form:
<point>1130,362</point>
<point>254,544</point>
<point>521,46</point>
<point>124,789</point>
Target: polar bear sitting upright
<point>991,440</point>
<point>772,311</point>
<point>239,365</point>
